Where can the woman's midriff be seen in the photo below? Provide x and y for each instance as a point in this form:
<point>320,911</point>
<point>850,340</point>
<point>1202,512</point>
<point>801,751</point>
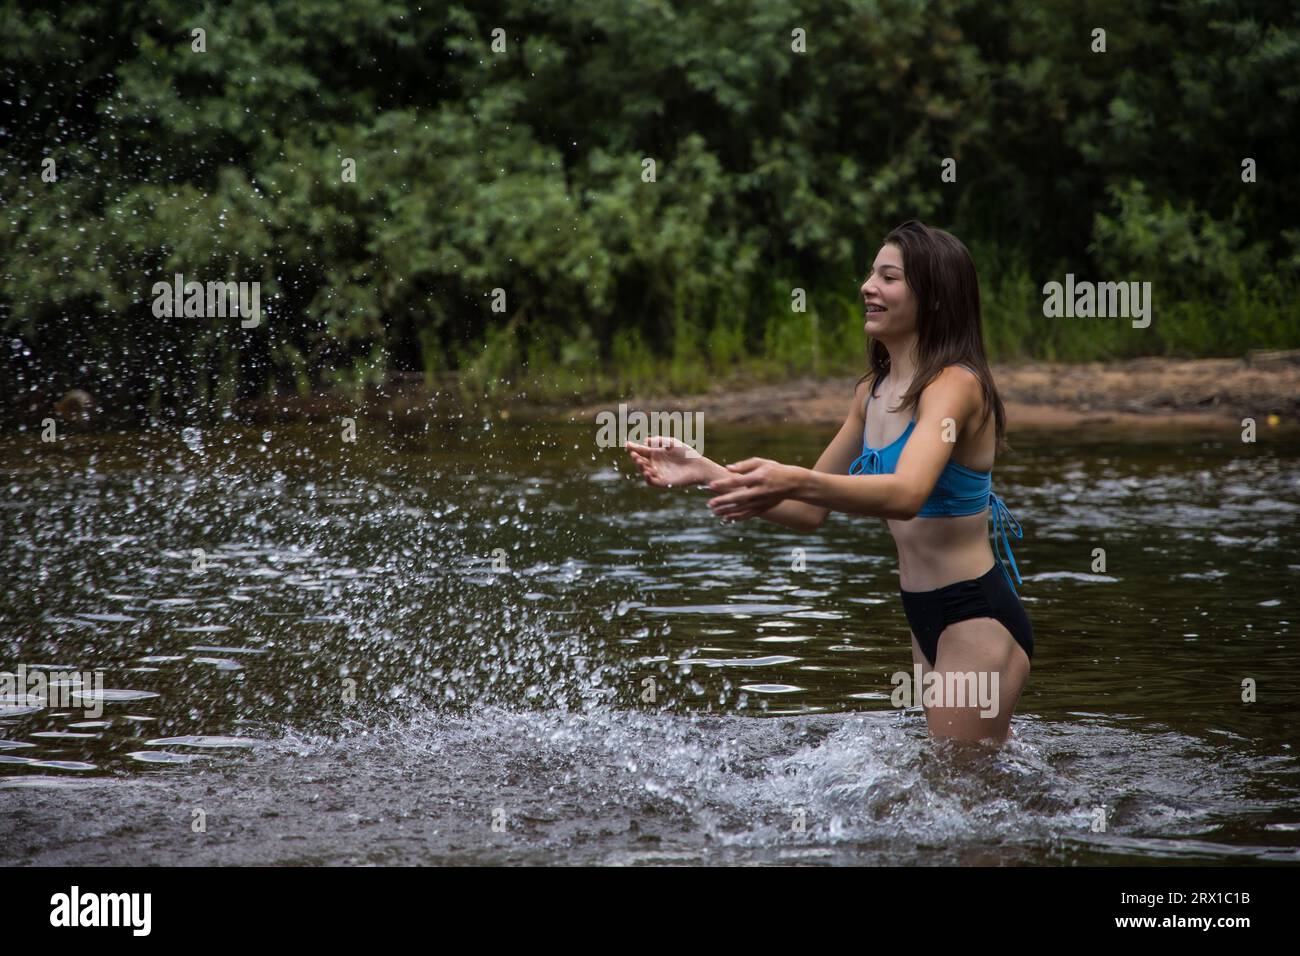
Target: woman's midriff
<point>935,552</point>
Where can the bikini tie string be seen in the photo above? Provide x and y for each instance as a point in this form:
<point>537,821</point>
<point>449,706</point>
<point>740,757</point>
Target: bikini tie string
<point>1002,520</point>
<point>868,463</point>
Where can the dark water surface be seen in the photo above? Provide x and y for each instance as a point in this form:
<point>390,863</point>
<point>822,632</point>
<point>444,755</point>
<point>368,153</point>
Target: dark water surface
<point>489,643</point>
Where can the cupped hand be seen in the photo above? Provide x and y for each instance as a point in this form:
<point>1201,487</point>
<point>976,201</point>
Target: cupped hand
<point>754,486</point>
<point>666,462</point>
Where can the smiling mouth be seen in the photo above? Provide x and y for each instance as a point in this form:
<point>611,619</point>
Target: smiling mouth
<point>875,308</point>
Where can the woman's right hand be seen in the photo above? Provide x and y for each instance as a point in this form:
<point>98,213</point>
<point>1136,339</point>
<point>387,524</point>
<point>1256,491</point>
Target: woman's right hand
<point>666,462</point>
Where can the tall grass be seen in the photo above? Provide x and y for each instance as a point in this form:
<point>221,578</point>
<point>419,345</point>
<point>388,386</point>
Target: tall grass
<point>827,340</point>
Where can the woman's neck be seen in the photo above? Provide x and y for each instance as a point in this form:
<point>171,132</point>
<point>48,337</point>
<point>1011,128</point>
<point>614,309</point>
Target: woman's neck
<point>902,363</point>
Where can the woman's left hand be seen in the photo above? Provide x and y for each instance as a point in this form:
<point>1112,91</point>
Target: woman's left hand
<point>754,486</point>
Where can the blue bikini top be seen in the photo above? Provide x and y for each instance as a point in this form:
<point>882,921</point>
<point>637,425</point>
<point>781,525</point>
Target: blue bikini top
<point>958,491</point>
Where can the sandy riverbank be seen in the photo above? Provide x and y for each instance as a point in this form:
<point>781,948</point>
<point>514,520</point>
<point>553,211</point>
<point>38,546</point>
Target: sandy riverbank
<point>1139,395</point>
<point>1142,394</point>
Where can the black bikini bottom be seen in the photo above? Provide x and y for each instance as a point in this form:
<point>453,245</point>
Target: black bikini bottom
<point>929,612</point>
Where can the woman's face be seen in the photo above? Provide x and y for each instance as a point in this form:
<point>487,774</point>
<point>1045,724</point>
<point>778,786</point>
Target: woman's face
<point>886,287</point>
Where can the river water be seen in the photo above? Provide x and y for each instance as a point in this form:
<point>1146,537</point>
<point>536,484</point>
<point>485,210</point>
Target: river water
<point>483,642</point>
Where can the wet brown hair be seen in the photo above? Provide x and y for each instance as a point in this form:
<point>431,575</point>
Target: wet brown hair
<point>938,268</point>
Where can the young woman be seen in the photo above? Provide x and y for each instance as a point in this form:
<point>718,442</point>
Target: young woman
<point>930,478</point>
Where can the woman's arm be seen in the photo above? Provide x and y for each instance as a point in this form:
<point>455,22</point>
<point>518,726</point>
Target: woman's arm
<point>666,462</point>
<point>798,515</point>
<point>945,407</point>
<point>804,515</point>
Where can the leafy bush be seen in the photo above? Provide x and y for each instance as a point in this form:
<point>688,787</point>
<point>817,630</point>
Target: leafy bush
<point>525,171</point>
